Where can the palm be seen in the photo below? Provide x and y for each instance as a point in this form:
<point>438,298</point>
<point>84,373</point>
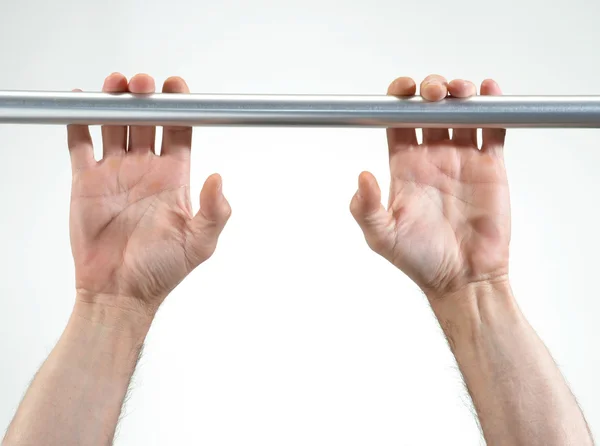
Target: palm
<point>133,234</point>
<point>447,222</point>
<point>129,221</point>
<point>449,208</point>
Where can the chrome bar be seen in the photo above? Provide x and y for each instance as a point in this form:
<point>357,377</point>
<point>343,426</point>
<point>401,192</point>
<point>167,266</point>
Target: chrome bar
<point>28,107</point>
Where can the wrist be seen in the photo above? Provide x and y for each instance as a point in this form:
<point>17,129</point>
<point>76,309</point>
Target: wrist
<point>102,341</point>
<point>112,308</point>
<point>117,317</point>
<point>466,314</point>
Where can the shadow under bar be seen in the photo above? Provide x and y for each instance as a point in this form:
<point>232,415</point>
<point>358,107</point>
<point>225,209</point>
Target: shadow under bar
<point>29,107</point>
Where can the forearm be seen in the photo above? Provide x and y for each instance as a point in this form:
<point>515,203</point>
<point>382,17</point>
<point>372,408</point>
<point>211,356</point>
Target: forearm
<point>77,395</point>
<point>519,394</point>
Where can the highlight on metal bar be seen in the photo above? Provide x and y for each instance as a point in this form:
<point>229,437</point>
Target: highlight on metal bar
<point>29,107</point>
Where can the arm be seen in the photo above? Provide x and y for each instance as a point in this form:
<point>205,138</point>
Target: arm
<point>134,238</point>
<point>518,392</point>
<point>447,226</point>
<point>77,395</point>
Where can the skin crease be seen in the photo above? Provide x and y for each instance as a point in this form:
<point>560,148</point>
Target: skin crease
<point>133,234</point>
<point>134,237</point>
<point>447,226</point>
<point>447,223</point>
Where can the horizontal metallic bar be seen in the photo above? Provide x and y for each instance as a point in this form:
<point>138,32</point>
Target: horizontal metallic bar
<point>20,107</point>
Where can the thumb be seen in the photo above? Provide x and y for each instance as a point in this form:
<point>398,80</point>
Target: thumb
<point>209,221</point>
<point>366,204</point>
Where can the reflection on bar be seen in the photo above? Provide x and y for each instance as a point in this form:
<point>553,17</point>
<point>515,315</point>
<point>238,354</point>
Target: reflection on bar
<point>20,107</point>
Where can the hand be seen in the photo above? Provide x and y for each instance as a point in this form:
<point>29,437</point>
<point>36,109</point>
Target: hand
<point>133,234</point>
<point>448,219</point>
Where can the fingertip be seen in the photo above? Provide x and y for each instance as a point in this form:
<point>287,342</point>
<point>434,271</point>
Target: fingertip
<point>213,186</point>
<point>365,180</point>
<point>434,90</point>
<point>218,181</point>
<point>214,177</point>
<point>142,84</point>
<point>175,84</point>
<point>368,188</point>
<point>490,87</point>
<point>213,204</point>
<point>461,88</point>
<point>115,82</point>
<point>402,86</point>
<point>364,176</point>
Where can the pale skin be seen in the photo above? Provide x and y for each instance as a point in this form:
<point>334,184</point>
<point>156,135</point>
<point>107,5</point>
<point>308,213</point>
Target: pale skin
<point>134,238</point>
<point>447,226</point>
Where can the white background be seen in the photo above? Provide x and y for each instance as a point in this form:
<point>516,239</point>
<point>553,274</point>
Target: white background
<point>295,333</point>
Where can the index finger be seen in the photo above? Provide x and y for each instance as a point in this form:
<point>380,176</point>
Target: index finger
<point>402,138</point>
<point>177,141</point>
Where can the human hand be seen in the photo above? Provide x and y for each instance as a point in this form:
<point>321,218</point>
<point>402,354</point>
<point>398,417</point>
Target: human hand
<point>133,234</point>
<point>447,224</point>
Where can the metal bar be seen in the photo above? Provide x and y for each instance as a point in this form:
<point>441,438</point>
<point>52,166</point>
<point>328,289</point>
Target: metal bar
<point>21,107</point>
